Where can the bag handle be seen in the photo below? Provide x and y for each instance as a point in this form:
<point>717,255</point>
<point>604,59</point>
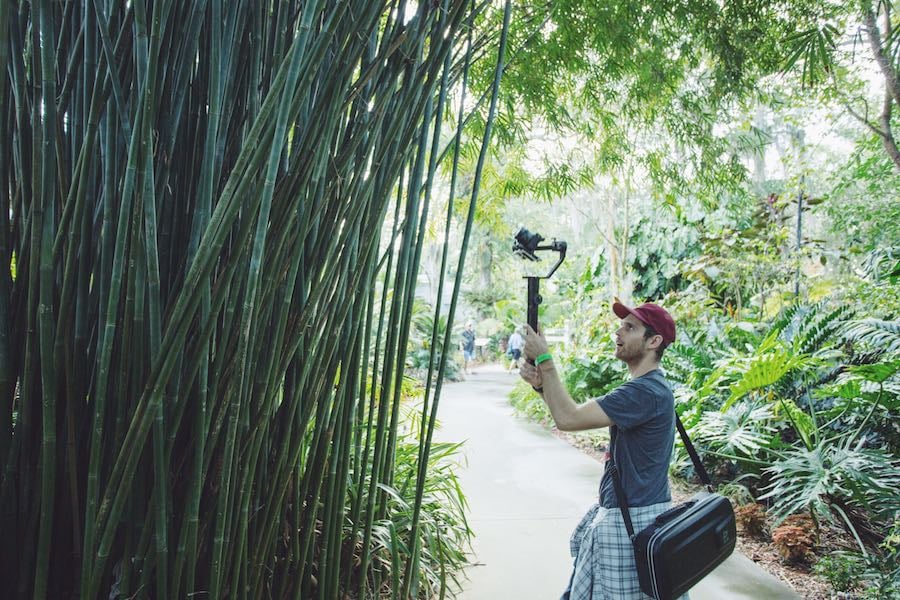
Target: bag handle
<point>617,484</point>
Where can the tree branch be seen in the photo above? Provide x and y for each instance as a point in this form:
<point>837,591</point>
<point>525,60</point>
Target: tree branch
<point>594,224</point>
<point>890,145</point>
<point>875,41</point>
<point>864,120</point>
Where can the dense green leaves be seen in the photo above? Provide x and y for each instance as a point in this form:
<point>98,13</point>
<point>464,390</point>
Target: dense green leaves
<point>829,479</point>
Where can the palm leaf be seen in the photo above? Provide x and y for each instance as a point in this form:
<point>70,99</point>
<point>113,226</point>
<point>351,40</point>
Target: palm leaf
<point>742,429</point>
<point>821,327</point>
<point>874,333</point>
<point>822,478</point>
<point>771,361</point>
<point>813,48</point>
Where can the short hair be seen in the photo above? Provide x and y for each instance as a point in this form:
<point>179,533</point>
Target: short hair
<point>649,332</point>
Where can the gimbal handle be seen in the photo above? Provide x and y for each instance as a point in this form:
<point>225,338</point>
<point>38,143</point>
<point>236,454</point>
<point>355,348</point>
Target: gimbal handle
<point>534,296</point>
<point>534,300</point>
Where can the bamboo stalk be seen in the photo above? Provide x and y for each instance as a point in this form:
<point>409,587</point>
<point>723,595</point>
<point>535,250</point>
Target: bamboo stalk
<point>44,220</point>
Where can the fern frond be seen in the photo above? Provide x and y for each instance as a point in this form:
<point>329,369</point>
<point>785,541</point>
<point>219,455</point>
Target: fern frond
<point>818,328</point>
<point>875,333</point>
<point>786,318</point>
<point>867,358</point>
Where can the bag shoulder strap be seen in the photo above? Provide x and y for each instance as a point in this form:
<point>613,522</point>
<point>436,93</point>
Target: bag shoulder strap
<point>695,458</point>
<point>617,484</point>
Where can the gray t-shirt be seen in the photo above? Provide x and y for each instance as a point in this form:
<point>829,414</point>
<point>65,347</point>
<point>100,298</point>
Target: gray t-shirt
<point>643,411</point>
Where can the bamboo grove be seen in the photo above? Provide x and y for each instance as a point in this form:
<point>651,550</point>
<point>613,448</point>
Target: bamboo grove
<point>213,214</point>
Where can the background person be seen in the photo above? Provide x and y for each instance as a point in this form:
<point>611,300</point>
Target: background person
<point>641,417</point>
<point>515,345</point>
<point>468,345</point>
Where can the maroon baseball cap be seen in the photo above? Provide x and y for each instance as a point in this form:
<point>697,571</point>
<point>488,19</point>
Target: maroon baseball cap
<point>650,314</point>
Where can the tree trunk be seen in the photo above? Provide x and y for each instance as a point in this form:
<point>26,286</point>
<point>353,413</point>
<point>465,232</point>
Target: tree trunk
<point>891,80</point>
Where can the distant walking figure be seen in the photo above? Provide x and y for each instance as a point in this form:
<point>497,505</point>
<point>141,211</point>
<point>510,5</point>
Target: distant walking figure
<point>514,348</point>
<point>468,346</point>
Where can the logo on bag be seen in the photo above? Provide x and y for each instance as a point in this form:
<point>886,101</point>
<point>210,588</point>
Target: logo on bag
<point>725,537</point>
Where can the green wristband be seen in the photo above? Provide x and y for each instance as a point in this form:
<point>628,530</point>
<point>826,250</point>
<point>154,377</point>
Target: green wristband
<point>543,358</point>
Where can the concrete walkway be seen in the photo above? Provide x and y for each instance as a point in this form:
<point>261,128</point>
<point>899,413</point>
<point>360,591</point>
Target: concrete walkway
<point>527,490</point>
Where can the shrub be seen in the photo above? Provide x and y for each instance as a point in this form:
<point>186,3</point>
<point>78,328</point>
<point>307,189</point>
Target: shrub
<point>842,570</point>
<point>795,539</point>
<point>526,402</point>
<point>882,567</point>
<point>444,536</point>
<point>751,519</point>
<point>590,377</point>
<point>855,486</point>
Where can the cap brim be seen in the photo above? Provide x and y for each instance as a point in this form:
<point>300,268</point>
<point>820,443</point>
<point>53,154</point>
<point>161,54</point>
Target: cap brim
<point>621,310</point>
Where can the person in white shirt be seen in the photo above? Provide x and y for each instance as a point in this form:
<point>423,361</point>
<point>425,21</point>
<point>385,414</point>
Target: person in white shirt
<point>515,345</point>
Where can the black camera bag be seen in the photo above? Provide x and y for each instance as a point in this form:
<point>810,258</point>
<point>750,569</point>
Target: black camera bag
<point>685,543</point>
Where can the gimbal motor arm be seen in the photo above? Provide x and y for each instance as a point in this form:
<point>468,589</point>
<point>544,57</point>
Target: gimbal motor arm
<point>526,244</point>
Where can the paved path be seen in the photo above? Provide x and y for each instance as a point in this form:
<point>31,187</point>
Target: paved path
<point>527,490</point>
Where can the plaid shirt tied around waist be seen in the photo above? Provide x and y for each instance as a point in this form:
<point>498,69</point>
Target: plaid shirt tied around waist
<point>604,556</point>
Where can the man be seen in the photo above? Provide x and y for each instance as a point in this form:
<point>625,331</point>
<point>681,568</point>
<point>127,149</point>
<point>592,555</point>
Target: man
<point>515,344</point>
<point>468,346</point>
<point>641,416</point>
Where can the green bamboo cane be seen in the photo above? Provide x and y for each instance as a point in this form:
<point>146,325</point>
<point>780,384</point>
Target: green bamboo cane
<point>415,258</point>
<point>375,393</point>
<point>7,378</point>
<point>380,427</point>
<point>332,499</point>
<point>266,536</point>
<point>412,563</point>
<point>20,462</point>
<point>104,356</point>
<point>30,366</point>
<point>73,285</point>
<point>342,474</point>
<point>109,53</point>
<point>125,465</point>
<point>187,548</point>
<point>12,518</point>
<point>381,433</point>
<point>147,45</point>
<point>45,220</point>
<point>201,266</point>
<point>362,457</point>
<point>19,465</point>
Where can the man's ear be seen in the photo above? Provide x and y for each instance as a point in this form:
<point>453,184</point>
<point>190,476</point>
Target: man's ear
<point>654,342</point>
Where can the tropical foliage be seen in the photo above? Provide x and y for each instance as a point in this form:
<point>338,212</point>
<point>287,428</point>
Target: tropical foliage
<point>752,190</point>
